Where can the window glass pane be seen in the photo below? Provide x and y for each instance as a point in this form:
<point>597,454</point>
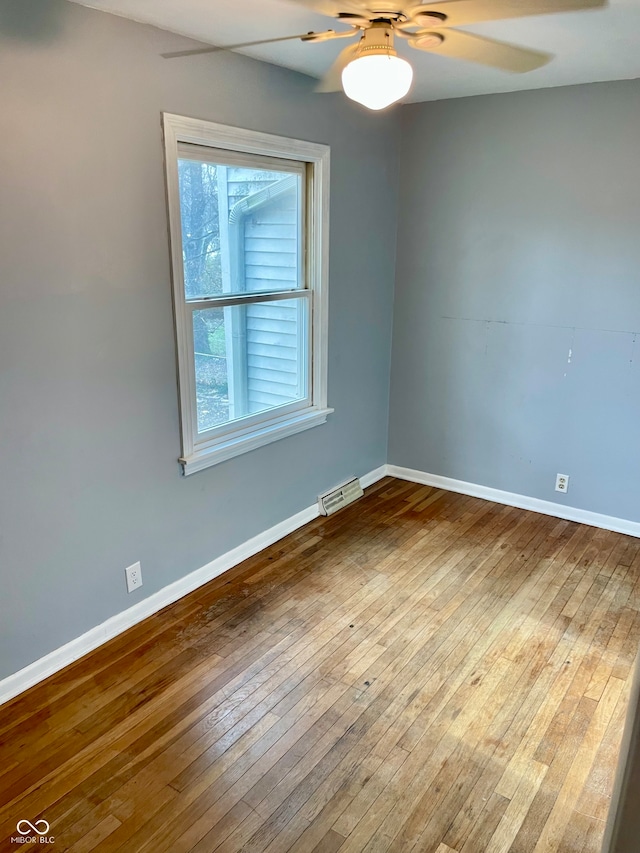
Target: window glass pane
<point>249,359</point>
<point>240,229</point>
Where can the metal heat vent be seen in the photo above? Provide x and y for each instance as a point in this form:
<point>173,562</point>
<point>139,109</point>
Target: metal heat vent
<point>334,500</point>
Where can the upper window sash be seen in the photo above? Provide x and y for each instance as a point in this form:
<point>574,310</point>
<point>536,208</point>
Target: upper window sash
<point>269,196</point>
<point>223,157</point>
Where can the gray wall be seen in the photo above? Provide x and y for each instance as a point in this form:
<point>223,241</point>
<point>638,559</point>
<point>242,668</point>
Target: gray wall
<point>89,431</point>
<point>515,347</point>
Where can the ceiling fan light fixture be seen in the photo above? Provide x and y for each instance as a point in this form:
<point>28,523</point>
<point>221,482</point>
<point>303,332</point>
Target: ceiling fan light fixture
<point>378,81</point>
<point>377,77</point>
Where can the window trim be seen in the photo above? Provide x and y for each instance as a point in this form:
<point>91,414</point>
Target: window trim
<point>282,421</point>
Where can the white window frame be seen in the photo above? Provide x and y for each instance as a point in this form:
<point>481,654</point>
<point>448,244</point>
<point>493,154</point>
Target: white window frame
<point>200,451</point>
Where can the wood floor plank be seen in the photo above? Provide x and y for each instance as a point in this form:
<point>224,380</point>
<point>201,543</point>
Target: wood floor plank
<point>554,828</point>
<point>547,795</point>
<point>330,843</point>
<point>596,794</point>
<point>93,839</point>
<point>482,829</point>
<point>516,811</point>
<point>423,671</point>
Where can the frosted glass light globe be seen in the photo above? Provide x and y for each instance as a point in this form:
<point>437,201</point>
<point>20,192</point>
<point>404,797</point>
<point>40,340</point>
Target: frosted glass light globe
<point>377,81</point>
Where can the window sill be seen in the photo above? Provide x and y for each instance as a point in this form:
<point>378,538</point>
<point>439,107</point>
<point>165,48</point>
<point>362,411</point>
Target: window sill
<point>234,446</point>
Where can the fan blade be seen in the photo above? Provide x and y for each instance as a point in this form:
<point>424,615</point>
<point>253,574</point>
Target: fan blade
<point>332,80</point>
<point>497,54</point>
<point>461,12</point>
<point>321,36</point>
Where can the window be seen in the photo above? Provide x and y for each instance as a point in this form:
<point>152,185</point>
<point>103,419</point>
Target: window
<point>248,215</point>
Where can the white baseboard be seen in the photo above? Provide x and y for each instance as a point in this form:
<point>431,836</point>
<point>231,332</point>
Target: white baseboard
<point>373,476</point>
<point>570,513</point>
<point>75,649</point>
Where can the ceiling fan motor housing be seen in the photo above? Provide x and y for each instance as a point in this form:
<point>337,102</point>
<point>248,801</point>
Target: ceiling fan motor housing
<point>377,39</point>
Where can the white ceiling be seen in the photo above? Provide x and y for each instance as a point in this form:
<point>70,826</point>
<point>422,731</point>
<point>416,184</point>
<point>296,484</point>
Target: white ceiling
<point>589,46</point>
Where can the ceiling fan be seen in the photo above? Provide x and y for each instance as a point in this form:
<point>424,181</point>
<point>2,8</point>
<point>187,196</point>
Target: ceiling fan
<point>371,72</point>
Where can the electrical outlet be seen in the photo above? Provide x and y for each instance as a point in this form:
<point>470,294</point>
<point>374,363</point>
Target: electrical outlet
<point>562,482</point>
<point>133,575</point>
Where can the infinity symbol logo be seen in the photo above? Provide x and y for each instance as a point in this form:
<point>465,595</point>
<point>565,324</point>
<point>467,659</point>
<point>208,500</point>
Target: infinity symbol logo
<point>31,827</point>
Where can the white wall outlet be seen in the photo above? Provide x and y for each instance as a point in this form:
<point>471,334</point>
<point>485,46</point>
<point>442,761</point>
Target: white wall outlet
<point>133,575</point>
<point>562,482</point>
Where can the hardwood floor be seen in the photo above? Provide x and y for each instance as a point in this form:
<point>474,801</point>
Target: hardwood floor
<point>422,672</point>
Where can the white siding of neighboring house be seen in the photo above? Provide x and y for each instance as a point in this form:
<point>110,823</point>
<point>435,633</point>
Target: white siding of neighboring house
<point>268,239</point>
<point>271,259</point>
